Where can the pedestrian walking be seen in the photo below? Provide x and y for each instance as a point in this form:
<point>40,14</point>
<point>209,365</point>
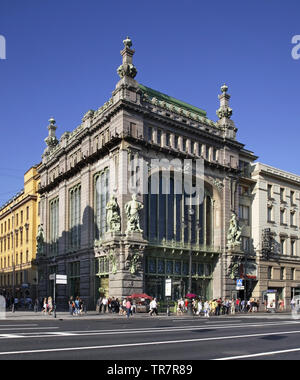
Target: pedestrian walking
<point>232,306</point>
<point>70,303</point>
<point>206,309</point>
<point>105,304</point>
<point>199,309</point>
<point>45,306</point>
<point>128,308</point>
<point>153,307</point>
<point>36,305</point>
<point>50,305</point>
<point>77,306</point>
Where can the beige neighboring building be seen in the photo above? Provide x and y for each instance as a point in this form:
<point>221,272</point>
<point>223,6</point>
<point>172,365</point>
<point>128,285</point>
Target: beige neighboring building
<point>19,220</point>
<point>276,233</point>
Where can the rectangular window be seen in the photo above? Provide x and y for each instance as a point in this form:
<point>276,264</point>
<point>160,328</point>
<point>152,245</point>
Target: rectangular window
<point>293,271</point>
<point>245,244</point>
<point>282,216</point>
<point>270,214</point>
<point>214,154</point>
<point>244,214</point>
<point>292,218</point>
<point>176,142</point>
<point>192,147</point>
<point>184,145</point>
<point>199,149</point>
<point>270,191</point>
<point>159,137</point>
<point>168,138</point>
<point>293,244</point>
<point>269,273</point>
<point>150,134</point>
<point>282,246</point>
<point>292,198</point>
<point>282,195</point>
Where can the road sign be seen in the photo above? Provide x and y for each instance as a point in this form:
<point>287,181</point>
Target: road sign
<point>168,287</point>
<point>61,282</point>
<point>239,282</point>
<point>239,288</point>
<point>61,279</point>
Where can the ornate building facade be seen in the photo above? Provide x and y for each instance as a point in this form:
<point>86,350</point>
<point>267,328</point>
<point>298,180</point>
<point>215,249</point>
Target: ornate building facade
<point>108,222</point>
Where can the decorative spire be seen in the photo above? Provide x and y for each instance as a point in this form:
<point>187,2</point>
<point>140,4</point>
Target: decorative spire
<point>127,69</point>
<point>51,139</point>
<point>224,110</point>
<point>224,114</point>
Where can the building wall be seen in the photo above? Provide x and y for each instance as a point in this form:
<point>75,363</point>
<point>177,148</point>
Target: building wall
<point>19,220</point>
<point>275,266</point>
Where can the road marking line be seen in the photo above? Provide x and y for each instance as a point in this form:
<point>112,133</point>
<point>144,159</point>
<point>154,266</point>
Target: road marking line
<point>137,331</point>
<point>128,345</point>
<point>260,354</point>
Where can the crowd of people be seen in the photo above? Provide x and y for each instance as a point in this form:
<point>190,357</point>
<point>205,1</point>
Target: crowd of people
<point>218,306</point>
<point>76,306</point>
<point>125,306</point>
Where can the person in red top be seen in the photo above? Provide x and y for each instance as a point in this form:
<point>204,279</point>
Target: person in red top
<point>128,307</point>
<point>186,304</point>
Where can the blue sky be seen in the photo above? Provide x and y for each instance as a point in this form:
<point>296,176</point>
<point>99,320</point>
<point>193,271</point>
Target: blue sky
<point>62,57</point>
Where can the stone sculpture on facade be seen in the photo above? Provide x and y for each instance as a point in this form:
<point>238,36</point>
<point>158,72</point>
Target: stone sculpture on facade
<point>112,258</point>
<point>113,215</point>
<point>40,238</point>
<point>234,233</point>
<point>132,209</point>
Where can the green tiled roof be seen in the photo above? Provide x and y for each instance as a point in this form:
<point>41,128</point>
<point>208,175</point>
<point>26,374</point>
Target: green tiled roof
<point>168,99</point>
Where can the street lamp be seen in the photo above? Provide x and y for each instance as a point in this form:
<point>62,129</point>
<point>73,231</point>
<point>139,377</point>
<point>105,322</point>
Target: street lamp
<point>13,258</point>
<point>190,215</point>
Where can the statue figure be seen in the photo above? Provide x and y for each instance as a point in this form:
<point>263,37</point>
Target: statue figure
<point>234,233</point>
<point>113,261</point>
<point>133,263</point>
<point>40,238</point>
<point>113,215</point>
<point>132,209</point>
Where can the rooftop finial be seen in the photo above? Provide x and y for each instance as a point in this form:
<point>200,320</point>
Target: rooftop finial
<point>127,42</point>
<point>51,139</point>
<point>127,69</point>
<point>224,88</point>
<point>224,114</point>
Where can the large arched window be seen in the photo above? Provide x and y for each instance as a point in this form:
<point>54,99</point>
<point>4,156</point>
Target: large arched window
<point>167,215</point>
<point>54,220</point>
<point>74,219</point>
<point>101,199</point>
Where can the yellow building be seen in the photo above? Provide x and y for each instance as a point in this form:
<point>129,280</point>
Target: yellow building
<point>19,221</point>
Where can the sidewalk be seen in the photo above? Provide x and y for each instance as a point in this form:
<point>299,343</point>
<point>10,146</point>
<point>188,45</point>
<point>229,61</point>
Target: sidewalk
<point>93,315</point>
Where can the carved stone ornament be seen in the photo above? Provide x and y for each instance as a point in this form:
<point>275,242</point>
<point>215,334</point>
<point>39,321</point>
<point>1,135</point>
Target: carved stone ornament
<point>133,262</point>
<point>112,258</point>
<point>132,209</point>
<point>40,238</point>
<point>113,215</point>
<point>224,112</point>
<point>234,233</point>
<point>128,70</point>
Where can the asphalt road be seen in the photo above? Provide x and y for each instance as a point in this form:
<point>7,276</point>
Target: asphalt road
<point>151,339</point>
